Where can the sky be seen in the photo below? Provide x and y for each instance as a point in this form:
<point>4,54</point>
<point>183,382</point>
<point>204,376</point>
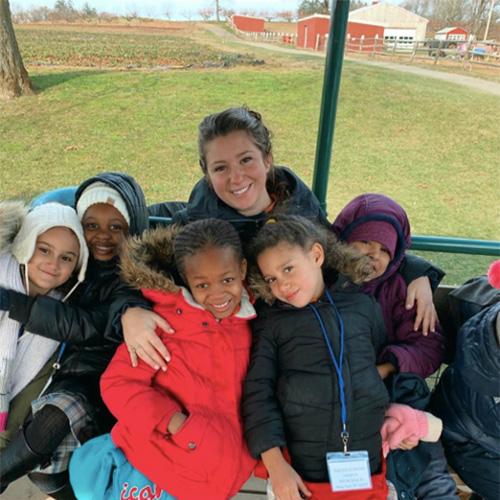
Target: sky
<point>179,9</point>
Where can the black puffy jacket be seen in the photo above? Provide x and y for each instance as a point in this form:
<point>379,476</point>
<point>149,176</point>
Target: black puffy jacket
<point>291,395</point>
<point>292,197</point>
<point>89,324</point>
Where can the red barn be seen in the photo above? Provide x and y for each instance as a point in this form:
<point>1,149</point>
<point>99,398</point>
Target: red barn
<point>248,23</point>
<point>452,33</point>
<point>311,31</point>
<point>361,36</point>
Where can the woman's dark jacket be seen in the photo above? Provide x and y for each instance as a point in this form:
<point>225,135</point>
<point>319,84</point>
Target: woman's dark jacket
<point>291,394</point>
<point>292,197</point>
<point>89,324</point>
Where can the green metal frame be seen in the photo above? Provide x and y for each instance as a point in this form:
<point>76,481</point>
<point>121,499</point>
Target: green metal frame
<point>326,129</point>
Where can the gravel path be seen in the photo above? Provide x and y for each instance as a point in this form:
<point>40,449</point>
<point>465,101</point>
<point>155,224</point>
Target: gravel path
<point>464,80</point>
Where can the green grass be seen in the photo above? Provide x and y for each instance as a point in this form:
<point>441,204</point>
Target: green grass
<point>431,145</point>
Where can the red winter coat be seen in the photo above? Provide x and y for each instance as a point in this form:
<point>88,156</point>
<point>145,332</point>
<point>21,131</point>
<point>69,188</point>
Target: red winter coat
<point>207,458</point>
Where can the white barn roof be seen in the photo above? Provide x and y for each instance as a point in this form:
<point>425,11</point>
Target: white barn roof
<point>388,15</point>
<point>447,30</point>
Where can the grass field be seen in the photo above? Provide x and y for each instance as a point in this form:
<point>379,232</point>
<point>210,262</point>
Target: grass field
<point>432,146</point>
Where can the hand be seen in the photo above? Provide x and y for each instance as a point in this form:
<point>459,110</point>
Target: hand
<point>385,369</point>
<point>285,482</point>
<point>419,290</point>
<point>176,422</point>
<point>4,299</point>
<point>408,444</point>
<point>139,332</point>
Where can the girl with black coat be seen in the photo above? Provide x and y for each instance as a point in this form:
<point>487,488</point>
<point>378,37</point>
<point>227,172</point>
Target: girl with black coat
<point>293,392</point>
<point>70,411</point>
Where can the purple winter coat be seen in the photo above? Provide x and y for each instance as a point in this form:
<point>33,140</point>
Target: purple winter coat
<point>413,351</point>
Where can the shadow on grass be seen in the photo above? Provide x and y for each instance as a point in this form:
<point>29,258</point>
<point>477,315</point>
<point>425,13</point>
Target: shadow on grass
<point>44,81</point>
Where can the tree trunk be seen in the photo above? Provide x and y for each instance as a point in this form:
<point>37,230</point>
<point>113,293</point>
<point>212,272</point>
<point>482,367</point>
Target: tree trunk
<point>14,79</point>
<point>217,10</point>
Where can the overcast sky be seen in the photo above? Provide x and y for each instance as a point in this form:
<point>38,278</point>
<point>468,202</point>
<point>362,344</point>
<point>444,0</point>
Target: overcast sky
<point>179,9</point>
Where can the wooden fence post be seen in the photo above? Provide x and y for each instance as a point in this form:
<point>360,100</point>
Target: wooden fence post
<point>438,51</point>
<point>375,43</point>
<point>415,48</point>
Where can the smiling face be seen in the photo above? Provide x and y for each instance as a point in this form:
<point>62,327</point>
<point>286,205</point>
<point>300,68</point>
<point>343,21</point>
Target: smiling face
<point>105,230</point>
<point>53,261</point>
<point>215,278</point>
<point>380,256</point>
<point>293,274</point>
<point>237,171</point>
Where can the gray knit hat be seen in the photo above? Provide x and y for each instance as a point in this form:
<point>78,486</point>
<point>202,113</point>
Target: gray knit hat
<point>41,219</point>
<point>99,192</point>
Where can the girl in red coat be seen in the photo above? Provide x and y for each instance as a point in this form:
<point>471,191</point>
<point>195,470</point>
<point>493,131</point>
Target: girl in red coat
<point>180,430</point>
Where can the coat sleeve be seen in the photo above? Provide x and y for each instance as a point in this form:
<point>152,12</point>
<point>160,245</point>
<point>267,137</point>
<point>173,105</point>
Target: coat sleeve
<point>263,422</point>
<point>413,351</point>
<point>414,267</point>
<point>64,322</point>
<point>130,395</point>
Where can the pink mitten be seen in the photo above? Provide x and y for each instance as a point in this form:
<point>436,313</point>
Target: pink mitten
<point>402,423</point>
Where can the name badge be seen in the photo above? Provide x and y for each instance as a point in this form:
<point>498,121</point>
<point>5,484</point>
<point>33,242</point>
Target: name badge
<point>349,471</point>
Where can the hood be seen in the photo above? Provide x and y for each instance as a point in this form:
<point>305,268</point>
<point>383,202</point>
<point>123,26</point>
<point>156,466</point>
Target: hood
<point>376,207</point>
<point>147,261</point>
<point>131,193</point>
<point>12,214</point>
<point>340,258</point>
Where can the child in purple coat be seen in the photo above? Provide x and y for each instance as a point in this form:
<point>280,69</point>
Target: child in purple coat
<point>379,227</point>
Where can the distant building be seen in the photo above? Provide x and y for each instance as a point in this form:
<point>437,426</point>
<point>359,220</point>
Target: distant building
<point>248,23</point>
<point>312,31</point>
<point>452,33</point>
<point>382,21</point>
<point>400,25</point>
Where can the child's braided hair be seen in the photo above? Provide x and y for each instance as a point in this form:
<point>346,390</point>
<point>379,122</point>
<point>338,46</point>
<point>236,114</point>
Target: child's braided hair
<point>202,234</point>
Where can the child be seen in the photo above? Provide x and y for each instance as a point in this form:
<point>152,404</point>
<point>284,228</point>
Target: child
<point>180,428</point>
<point>467,396</point>
<point>242,185</point>
<point>312,385</point>
<point>39,252</point>
<point>378,227</point>
<point>70,411</point>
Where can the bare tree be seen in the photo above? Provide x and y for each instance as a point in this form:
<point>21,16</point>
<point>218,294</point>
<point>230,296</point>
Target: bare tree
<point>14,80</point>
<point>167,11</point>
<point>217,10</point>
<point>478,15</point>
<point>286,15</point>
<point>206,13</point>
<point>420,7</point>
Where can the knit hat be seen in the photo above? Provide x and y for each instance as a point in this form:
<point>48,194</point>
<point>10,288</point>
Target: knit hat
<point>494,274</point>
<point>98,192</point>
<point>41,219</point>
<point>375,230</point>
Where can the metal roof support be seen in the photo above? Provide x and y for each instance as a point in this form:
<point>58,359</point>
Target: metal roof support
<point>331,85</point>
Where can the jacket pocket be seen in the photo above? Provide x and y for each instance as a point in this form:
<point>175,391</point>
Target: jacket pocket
<point>200,448</point>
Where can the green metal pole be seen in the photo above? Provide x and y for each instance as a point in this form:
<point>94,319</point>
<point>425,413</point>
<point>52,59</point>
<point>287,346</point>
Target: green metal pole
<point>331,85</point>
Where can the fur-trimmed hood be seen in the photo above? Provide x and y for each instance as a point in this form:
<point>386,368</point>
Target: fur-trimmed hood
<point>340,258</point>
<point>147,261</point>
<point>12,214</point>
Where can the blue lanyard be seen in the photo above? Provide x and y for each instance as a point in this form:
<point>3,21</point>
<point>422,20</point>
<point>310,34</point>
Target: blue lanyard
<point>344,435</point>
